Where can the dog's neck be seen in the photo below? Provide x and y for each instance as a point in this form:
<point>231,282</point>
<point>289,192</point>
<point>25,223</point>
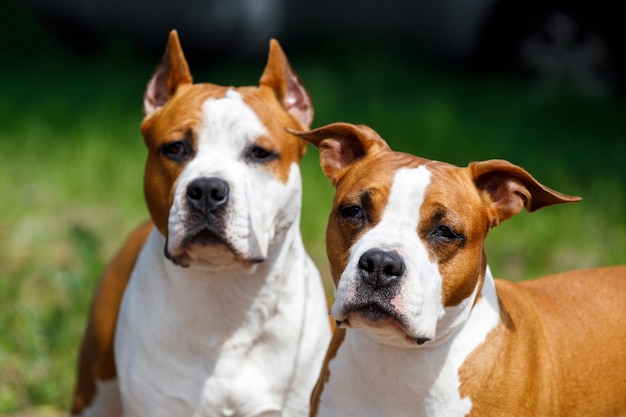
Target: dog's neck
<point>431,372</point>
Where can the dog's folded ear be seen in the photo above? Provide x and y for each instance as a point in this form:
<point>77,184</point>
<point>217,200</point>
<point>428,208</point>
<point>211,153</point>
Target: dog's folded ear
<point>341,145</point>
<point>170,73</point>
<point>507,188</point>
<point>287,86</point>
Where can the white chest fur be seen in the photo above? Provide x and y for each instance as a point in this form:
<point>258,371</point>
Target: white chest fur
<point>377,380</point>
<point>196,343</point>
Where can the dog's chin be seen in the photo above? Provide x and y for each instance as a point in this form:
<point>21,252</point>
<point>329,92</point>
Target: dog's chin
<point>383,322</point>
<point>208,251</point>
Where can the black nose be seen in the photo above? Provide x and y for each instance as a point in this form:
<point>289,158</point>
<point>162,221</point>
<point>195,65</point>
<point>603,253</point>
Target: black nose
<point>380,269</point>
<point>207,194</point>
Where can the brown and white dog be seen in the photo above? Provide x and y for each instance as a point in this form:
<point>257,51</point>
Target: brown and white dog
<point>424,329</point>
<point>217,310</point>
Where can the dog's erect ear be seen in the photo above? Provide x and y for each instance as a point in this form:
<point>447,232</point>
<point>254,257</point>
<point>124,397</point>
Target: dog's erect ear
<point>170,73</point>
<point>508,188</point>
<point>289,90</point>
<point>341,145</point>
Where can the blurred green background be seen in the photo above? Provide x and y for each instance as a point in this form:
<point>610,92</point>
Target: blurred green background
<point>71,166</point>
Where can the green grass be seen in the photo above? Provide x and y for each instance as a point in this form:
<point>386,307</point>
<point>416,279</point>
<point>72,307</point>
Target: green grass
<point>71,164</point>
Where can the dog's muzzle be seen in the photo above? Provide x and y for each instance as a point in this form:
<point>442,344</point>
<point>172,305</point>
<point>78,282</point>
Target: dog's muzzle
<point>206,200</point>
<point>379,280</point>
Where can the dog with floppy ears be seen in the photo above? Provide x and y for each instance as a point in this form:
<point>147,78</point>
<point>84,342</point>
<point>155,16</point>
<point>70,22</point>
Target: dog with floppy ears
<point>424,329</point>
<point>216,310</point>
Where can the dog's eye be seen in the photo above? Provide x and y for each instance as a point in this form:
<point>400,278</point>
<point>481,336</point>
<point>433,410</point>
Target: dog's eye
<point>351,212</point>
<point>445,232</point>
<point>259,154</point>
<point>177,150</point>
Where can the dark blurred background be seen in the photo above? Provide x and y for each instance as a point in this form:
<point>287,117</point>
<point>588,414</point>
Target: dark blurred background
<point>540,83</point>
<point>580,41</point>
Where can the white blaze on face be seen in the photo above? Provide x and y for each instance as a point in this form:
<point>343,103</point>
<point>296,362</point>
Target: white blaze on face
<point>229,128</point>
<point>419,300</point>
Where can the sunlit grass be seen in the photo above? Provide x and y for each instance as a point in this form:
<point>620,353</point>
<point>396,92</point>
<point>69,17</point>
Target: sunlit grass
<point>71,166</point>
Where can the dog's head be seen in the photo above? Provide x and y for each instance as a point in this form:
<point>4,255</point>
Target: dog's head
<point>405,234</point>
<point>222,179</point>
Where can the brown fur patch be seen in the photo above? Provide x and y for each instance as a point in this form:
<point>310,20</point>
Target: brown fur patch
<point>96,360</point>
<point>559,349</point>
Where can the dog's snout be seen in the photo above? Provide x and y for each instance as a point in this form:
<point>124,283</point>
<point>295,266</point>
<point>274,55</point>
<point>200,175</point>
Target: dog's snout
<point>380,269</point>
<point>207,194</point>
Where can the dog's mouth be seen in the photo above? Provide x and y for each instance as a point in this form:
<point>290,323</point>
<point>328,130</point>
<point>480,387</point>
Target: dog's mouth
<point>378,315</point>
<point>209,247</point>
<point>204,237</point>
<point>375,312</point>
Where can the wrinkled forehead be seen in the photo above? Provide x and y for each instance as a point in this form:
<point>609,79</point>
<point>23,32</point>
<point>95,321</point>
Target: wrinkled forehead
<point>438,184</point>
<point>183,111</point>
<point>197,104</point>
<point>453,187</point>
<point>230,118</point>
<point>376,175</point>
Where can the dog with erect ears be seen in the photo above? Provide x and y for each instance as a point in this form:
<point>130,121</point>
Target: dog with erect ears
<point>213,308</point>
